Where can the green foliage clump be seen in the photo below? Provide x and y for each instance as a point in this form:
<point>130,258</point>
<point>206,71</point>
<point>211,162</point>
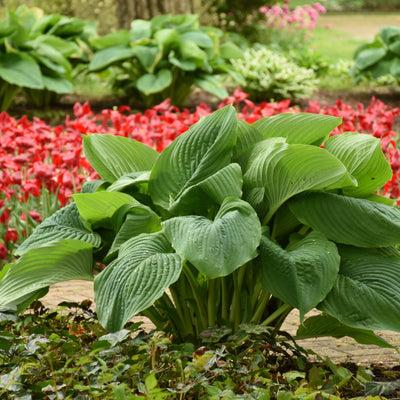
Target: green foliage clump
<point>379,57</point>
<point>165,58</point>
<point>38,54</point>
<point>356,5</point>
<point>270,75</point>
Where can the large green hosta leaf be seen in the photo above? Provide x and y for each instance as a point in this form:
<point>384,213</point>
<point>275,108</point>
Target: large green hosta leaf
<point>106,57</point>
<point>154,83</point>
<point>303,274</point>
<point>64,224</point>
<point>99,208</point>
<point>216,248</point>
<point>367,291</point>
<point>198,154</point>
<point>348,220</point>
<point>57,261</point>
<point>277,171</point>
<point>364,159</point>
<point>302,128</point>
<point>325,325</point>
<point>137,219</point>
<point>144,269</point>
<point>20,70</point>
<point>114,156</point>
<point>247,136</point>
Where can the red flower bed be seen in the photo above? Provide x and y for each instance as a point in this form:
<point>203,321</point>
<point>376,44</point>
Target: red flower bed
<point>41,166</point>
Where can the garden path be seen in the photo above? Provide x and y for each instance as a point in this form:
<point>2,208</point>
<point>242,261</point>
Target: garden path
<point>338,350</point>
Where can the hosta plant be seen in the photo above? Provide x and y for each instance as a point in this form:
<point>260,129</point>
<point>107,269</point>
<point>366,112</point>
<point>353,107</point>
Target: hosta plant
<point>165,58</point>
<point>379,57</point>
<point>230,224</point>
<point>270,75</point>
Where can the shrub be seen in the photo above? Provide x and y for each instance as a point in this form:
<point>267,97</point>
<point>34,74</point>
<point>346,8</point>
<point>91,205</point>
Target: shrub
<point>270,75</point>
<point>380,56</point>
<point>164,58</point>
<point>241,222</point>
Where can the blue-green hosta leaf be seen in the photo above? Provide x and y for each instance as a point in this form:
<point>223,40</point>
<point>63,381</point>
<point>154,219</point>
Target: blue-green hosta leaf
<point>200,38</point>
<point>57,261</point>
<point>99,208</point>
<point>110,55</point>
<point>211,84</point>
<point>216,248</point>
<point>118,38</point>
<point>154,83</point>
<point>302,128</point>
<point>144,269</point>
<point>325,325</point>
<point>363,156</point>
<point>57,84</point>
<point>349,220</point>
<point>369,57</point>
<point>138,219</point>
<point>229,50</point>
<point>20,70</point>
<point>366,294</point>
<point>63,224</point>
<point>148,56</point>
<point>303,274</point>
<point>201,152</point>
<point>277,171</point>
<point>189,50</point>
<point>114,156</point>
<point>140,29</point>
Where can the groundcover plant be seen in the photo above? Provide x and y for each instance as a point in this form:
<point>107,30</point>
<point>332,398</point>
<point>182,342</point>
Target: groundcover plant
<point>242,223</point>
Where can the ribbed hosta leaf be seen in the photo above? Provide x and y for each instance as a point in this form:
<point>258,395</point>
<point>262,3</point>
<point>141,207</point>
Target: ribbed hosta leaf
<point>57,261</point>
<point>277,171</point>
<point>227,182</point>
<point>63,224</point>
<point>129,180</point>
<point>216,248</point>
<point>247,136</point>
<point>348,220</point>
<point>198,154</point>
<point>98,208</point>
<point>138,219</point>
<point>303,274</point>
<point>367,291</point>
<point>363,156</point>
<point>114,156</point>
<point>144,269</point>
<point>302,128</point>
<point>325,325</point>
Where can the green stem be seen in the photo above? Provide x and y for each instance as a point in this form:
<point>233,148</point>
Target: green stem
<point>197,296</point>
<point>225,299</point>
<point>234,316</point>
<point>211,306</point>
<point>264,299</point>
<point>282,309</point>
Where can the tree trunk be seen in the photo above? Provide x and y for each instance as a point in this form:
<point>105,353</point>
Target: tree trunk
<point>129,10</point>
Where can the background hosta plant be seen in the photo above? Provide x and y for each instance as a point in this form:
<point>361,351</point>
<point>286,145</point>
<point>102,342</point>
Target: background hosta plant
<point>165,58</point>
<point>242,223</point>
<point>379,57</point>
<point>37,54</point>
<point>270,75</point>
